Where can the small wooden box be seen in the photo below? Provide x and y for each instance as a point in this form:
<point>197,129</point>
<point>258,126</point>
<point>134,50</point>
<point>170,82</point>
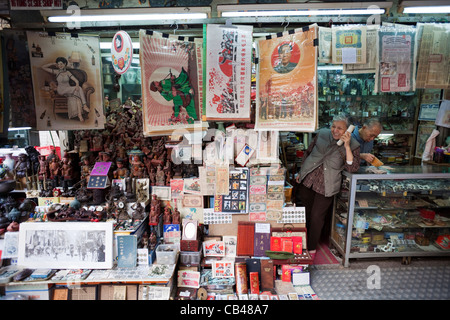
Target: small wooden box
<point>190,245</point>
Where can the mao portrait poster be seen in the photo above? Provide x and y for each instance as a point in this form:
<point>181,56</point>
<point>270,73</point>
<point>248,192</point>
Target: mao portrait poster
<point>286,81</point>
<point>228,72</point>
<point>67,83</point>
<point>170,84</point>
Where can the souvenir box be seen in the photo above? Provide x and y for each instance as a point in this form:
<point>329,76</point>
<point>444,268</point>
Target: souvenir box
<point>190,258</point>
<point>293,232</point>
<point>118,292</point>
<point>190,245</point>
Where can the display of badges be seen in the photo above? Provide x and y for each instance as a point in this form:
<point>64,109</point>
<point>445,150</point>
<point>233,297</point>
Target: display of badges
<point>121,52</point>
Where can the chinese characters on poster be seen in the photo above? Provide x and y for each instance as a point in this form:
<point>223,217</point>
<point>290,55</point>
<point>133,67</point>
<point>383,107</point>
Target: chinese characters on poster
<point>286,81</point>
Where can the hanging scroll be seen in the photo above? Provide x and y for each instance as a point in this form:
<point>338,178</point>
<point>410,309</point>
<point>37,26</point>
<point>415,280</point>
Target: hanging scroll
<point>66,73</point>
<point>397,59</point>
<point>286,81</point>
<point>228,72</point>
<point>170,83</point>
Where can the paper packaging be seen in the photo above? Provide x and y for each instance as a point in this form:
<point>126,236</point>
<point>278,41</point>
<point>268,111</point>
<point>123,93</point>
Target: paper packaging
<point>254,283</point>
<point>241,277</point>
<point>376,162</point>
<point>301,278</point>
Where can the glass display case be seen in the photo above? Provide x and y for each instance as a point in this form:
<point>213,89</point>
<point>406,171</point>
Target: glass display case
<point>130,81</point>
<point>404,212</point>
<point>354,95</point>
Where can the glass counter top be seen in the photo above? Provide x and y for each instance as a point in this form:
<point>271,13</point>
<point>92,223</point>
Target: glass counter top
<point>402,172</point>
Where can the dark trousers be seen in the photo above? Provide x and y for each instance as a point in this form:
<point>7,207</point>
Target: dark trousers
<point>316,209</point>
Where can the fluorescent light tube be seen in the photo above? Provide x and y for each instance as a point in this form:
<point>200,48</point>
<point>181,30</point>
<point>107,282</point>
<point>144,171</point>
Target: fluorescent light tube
<point>337,67</point>
<point>271,13</point>
<point>427,9</point>
<point>126,17</point>
<point>19,128</point>
<point>107,45</point>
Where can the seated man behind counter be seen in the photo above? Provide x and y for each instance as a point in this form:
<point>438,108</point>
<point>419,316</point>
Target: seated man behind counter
<point>365,135</point>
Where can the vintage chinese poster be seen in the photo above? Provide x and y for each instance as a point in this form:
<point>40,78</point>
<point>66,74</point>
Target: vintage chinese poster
<point>348,44</point>
<point>433,70</point>
<point>325,45</point>
<point>223,269</point>
<point>170,84</point>
<point>396,67</point>
<point>286,83</point>
<point>371,55</point>
<point>66,72</point>
<point>228,72</point>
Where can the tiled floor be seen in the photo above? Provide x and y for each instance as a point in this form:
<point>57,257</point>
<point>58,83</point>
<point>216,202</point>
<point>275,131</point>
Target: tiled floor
<point>381,279</point>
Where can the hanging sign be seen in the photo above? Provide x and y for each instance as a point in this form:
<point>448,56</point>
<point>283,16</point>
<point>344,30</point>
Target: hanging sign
<point>121,52</point>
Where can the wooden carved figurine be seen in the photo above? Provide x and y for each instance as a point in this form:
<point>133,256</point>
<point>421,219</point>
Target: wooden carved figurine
<point>121,172</point>
<point>67,172</point>
<point>167,216</point>
<point>137,167</point>
<point>160,177</point>
<point>176,216</point>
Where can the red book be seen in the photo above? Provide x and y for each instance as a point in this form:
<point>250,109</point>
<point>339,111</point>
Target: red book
<point>287,245</point>
<point>275,244</point>
<point>297,242</point>
<point>286,273</point>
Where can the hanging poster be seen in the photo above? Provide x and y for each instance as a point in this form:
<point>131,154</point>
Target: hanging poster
<point>396,67</point>
<point>286,82</point>
<point>228,72</point>
<point>67,83</point>
<point>18,83</point>
<point>170,84</point>
<point>348,44</point>
<point>371,55</point>
<point>325,45</point>
<point>121,52</point>
<point>3,112</point>
<point>433,70</point>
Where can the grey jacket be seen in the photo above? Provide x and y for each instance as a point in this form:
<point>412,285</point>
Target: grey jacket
<point>327,152</point>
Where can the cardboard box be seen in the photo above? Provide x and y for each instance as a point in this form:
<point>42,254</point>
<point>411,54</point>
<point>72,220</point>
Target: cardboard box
<point>118,292</point>
<point>300,278</point>
<point>32,291</point>
<point>87,292</point>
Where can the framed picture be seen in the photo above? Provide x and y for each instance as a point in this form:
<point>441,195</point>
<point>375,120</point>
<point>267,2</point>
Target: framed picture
<point>189,229</point>
<point>163,193</point>
<point>61,245</point>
